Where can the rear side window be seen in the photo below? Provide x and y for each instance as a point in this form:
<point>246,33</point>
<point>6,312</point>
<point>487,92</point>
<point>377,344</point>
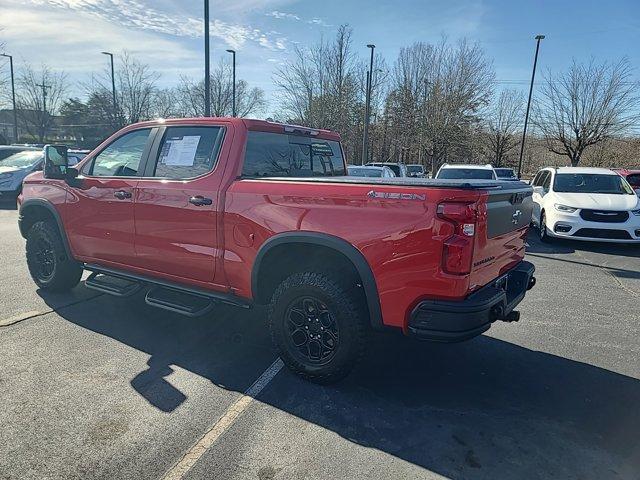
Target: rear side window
<point>121,158</point>
<point>281,155</point>
<point>188,152</point>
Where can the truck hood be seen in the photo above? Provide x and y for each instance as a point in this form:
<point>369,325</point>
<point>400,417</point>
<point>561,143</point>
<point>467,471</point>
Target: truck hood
<point>597,201</point>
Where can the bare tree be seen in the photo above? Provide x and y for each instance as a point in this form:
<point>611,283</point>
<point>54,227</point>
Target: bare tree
<point>190,95</point>
<point>165,104</point>
<point>135,92</point>
<point>587,105</point>
<point>323,87</point>
<point>502,124</point>
<point>437,94</point>
<point>38,97</point>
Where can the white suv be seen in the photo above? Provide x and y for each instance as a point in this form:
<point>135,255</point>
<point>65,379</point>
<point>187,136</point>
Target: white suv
<point>466,172</point>
<point>585,204</point>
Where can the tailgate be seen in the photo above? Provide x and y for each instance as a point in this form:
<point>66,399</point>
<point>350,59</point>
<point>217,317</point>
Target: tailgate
<point>501,238</point>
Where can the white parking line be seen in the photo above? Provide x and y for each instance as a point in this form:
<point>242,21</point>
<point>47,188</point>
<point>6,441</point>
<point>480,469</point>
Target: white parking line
<point>180,469</point>
<point>20,317</point>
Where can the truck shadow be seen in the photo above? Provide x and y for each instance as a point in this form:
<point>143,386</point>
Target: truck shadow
<point>486,408</point>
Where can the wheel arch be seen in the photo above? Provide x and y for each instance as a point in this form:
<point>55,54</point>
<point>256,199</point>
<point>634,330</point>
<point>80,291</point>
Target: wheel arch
<point>335,245</point>
<point>36,209</point>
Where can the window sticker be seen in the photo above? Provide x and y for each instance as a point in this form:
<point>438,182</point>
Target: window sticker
<point>180,151</point>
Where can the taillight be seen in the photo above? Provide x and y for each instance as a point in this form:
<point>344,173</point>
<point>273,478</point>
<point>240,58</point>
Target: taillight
<point>457,252</point>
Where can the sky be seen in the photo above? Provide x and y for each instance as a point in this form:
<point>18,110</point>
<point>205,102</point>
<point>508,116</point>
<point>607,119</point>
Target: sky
<point>69,35</point>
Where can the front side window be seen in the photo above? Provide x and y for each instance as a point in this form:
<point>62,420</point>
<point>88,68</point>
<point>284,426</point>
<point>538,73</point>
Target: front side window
<point>122,157</point>
<point>541,177</point>
<point>591,183</point>
<point>546,183</point>
<point>188,152</point>
<point>281,155</point>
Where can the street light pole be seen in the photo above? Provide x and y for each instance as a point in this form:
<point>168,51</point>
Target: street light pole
<point>113,85</point>
<point>44,106</point>
<point>233,109</point>
<point>13,98</point>
<point>526,115</point>
<point>367,108</point>
<point>207,73</point>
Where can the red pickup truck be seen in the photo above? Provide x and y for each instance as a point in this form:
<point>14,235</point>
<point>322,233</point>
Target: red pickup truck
<point>197,212</point>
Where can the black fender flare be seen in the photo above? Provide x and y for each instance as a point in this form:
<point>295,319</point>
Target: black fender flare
<point>335,243</point>
<point>42,203</point>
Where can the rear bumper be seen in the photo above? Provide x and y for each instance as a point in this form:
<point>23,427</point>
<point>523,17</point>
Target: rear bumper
<point>446,321</point>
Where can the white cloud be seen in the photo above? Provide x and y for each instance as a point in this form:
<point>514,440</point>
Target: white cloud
<point>318,21</point>
<point>281,15</point>
<point>137,15</point>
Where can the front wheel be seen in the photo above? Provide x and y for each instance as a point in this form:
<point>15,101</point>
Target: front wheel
<point>50,267</point>
<point>318,326</point>
<point>543,232</point>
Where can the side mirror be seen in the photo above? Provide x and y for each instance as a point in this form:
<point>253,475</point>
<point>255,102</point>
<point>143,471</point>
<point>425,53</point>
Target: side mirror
<point>539,190</point>
<point>56,161</point>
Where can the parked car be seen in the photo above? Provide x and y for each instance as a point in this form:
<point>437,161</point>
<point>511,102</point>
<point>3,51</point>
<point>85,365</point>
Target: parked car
<point>416,170</point>
<point>632,176</point>
<point>76,155</point>
<point>585,204</point>
<point>466,172</point>
<point>8,150</point>
<point>15,168</point>
<point>399,169</point>
<point>372,172</point>
<point>226,210</point>
<point>506,174</point>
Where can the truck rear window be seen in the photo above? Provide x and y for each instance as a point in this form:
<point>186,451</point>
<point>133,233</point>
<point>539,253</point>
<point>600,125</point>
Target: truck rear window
<point>281,155</point>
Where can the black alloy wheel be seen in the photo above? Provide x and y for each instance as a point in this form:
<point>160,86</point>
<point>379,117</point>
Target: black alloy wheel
<point>312,330</point>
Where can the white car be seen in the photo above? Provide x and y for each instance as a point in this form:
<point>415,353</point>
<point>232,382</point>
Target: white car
<point>368,171</point>
<point>466,172</point>
<point>585,204</point>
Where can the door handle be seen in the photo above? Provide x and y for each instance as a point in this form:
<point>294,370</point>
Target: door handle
<point>199,201</point>
<point>121,194</point>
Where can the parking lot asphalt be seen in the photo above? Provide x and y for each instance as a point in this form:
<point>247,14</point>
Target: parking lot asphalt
<point>98,387</point>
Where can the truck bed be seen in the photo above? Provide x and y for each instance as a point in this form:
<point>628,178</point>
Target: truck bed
<point>406,182</point>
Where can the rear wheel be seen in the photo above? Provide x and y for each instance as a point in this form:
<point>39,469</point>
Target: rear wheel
<point>318,326</point>
<point>47,260</point>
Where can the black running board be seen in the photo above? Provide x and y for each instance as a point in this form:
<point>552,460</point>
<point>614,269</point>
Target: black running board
<point>189,304</point>
<point>112,285</point>
<point>173,288</point>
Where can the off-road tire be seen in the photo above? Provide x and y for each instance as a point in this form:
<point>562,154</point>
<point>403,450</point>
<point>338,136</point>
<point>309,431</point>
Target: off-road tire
<point>343,305</point>
<point>49,265</point>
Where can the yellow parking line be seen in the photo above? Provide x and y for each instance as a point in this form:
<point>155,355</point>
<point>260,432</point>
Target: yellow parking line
<point>180,469</point>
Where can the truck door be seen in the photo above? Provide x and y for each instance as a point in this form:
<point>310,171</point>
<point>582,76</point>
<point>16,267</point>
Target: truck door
<point>177,203</point>
<point>98,213</point>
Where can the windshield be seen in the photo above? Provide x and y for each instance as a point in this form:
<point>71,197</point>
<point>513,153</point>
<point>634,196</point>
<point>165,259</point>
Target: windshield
<point>504,173</point>
<point>415,169</point>
<point>591,183</point>
<point>365,172</point>
<point>466,173</point>
<point>22,159</point>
